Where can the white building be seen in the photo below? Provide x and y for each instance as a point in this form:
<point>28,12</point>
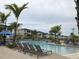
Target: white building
<point>28,33</point>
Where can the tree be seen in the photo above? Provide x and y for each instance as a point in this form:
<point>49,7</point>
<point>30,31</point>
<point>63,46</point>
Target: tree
<point>13,26</point>
<point>1,28</point>
<point>3,18</point>
<point>17,11</point>
<point>10,28</point>
<point>55,31</point>
<point>34,34</point>
<point>77,17</point>
<point>74,38</point>
<point>51,38</point>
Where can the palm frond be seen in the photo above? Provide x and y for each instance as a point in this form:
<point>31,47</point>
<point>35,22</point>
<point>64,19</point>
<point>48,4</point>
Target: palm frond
<point>6,16</point>
<point>16,10</point>
<point>15,6</point>
<point>2,17</point>
<point>23,7</point>
<point>12,8</point>
<point>14,24</point>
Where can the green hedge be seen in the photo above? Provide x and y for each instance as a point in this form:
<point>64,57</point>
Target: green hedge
<point>11,45</point>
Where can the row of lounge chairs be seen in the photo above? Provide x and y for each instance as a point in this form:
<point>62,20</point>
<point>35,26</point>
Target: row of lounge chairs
<point>33,49</point>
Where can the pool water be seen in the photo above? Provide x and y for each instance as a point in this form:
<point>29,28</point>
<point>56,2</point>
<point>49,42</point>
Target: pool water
<point>63,50</point>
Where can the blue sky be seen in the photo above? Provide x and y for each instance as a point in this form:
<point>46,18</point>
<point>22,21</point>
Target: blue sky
<point>43,14</point>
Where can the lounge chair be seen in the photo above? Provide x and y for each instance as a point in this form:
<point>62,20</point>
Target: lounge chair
<point>20,47</point>
<point>32,49</point>
<point>42,51</point>
<point>26,48</point>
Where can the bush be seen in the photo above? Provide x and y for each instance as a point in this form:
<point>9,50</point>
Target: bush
<point>11,45</point>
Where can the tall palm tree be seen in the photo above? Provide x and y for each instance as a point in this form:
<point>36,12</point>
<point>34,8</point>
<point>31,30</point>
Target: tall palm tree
<point>77,17</point>
<point>3,18</point>
<point>17,11</point>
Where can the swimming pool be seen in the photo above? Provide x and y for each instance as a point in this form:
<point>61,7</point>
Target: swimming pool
<point>63,50</point>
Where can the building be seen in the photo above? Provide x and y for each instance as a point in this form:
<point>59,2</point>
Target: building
<point>27,33</point>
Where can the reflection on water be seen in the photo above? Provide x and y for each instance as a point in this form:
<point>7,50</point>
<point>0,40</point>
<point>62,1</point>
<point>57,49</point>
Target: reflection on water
<point>55,48</point>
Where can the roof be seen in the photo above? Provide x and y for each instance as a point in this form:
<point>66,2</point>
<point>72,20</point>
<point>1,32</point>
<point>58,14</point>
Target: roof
<point>33,30</point>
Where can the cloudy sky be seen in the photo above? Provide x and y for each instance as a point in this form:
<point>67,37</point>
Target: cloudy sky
<point>43,14</point>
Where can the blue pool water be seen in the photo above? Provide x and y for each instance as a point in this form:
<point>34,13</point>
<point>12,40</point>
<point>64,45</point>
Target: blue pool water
<point>63,50</point>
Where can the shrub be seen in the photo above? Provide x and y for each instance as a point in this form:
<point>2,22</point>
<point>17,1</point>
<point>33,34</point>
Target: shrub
<point>11,45</point>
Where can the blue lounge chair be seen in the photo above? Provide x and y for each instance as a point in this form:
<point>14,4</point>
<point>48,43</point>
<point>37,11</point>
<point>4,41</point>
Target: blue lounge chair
<point>42,51</point>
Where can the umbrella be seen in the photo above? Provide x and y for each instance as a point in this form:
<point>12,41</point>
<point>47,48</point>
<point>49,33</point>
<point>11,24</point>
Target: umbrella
<point>6,33</point>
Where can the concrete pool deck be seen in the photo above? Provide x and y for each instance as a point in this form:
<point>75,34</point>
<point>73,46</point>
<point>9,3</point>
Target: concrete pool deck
<point>73,56</point>
<point>6,53</point>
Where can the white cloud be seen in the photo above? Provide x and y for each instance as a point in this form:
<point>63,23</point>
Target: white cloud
<point>42,14</point>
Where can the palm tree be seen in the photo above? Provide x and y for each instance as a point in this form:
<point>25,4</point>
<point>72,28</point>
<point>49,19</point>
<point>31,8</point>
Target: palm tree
<point>77,17</point>
<point>13,25</point>
<point>55,30</point>
<point>52,38</point>
<point>3,18</point>
<point>17,11</point>
<point>74,38</point>
<point>10,28</point>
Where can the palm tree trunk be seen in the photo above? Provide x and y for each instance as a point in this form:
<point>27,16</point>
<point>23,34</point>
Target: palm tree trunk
<point>4,36</point>
<point>5,26</point>
<point>55,37</point>
<point>78,30</point>
<point>15,37</point>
